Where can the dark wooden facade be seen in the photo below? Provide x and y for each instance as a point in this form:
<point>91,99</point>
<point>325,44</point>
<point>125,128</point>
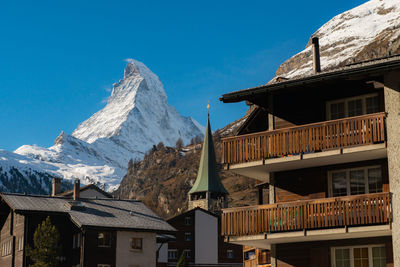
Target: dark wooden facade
<point>17,232</point>
<point>318,254</point>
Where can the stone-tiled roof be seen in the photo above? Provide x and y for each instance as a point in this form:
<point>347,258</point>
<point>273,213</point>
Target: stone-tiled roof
<point>113,213</point>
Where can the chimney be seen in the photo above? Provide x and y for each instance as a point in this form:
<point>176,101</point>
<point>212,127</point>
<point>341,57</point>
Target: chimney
<point>55,186</point>
<point>316,58</point>
<point>76,189</point>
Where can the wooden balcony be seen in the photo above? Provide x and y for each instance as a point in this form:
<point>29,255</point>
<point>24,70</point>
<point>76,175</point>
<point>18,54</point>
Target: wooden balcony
<point>358,210</point>
<point>335,134</point>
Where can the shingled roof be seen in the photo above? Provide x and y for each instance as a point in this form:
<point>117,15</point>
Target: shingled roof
<point>112,213</point>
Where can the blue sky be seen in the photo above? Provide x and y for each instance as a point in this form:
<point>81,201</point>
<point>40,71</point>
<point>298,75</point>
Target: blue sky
<point>59,59</point>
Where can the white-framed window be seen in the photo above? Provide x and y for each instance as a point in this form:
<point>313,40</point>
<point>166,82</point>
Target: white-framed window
<point>355,181</point>
<point>172,254</point>
<point>359,256</point>
<point>188,253</point>
<point>352,106</point>
<point>188,221</point>
<point>188,236</point>
<point>76,240</point>
<point>136,243</point>
<point>104,239</point>
<point>229,254</point>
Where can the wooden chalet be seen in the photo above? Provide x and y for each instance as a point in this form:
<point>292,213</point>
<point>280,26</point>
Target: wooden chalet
<point>328,147</point>
<point>94,232</point>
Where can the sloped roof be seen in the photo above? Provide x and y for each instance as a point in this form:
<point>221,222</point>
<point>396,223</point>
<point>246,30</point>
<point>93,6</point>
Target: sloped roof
<point>207,177</point>
<point>84,188</point>
<point>113,213</point>
<point>369,67</point>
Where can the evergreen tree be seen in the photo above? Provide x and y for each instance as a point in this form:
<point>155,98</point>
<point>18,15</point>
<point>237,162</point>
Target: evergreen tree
<point>179,143</point>
<point>46,249</point>
<point>130,164</point>
<point>182,261</point>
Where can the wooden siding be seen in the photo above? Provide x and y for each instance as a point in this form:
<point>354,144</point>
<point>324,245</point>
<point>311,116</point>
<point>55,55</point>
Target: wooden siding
<point>93,254</point>
<point>354,131</point>
<point>317,254</point>
<point>312,183</point>
<point>308,214</point>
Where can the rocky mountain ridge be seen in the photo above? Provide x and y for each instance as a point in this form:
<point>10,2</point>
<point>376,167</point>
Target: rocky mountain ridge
<point>369,31</point>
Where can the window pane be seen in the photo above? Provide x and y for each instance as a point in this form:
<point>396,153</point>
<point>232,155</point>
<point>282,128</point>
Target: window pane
<point>372,104</point>
<point>342,257</point>
<point>379,256</point>
<point>357,182</point>
<point>337,111</point>
<point>361,257</point>
<point>339,184</point>
<point>375,180</point>
<point>355,107</point>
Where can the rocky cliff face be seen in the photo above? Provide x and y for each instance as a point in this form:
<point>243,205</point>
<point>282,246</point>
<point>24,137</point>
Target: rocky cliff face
<point>166,174</point>
<point>366,32</point>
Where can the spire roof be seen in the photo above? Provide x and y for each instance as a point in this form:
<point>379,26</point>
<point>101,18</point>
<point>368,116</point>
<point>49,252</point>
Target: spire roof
<point>207,176</point>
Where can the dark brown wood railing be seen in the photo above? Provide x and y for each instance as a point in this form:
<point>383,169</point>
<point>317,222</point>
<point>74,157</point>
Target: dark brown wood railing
<point>368,209</point>
<point>360,130</point>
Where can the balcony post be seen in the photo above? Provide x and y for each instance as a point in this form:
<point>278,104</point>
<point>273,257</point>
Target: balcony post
<point>392,108</point>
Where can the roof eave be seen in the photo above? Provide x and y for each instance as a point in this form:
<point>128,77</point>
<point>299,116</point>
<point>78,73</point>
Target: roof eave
<point>241,95</point>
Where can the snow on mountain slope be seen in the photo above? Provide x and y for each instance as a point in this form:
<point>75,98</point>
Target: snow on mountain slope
<point>136,117</point>
<point>368,31</point>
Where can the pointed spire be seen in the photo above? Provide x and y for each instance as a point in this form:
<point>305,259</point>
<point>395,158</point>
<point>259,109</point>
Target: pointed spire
<point>207,177</point>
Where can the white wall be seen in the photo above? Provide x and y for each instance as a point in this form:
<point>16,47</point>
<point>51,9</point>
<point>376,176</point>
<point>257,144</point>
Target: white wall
<point>163,252</point>
<point>206,238</point>
<point>127,257</point>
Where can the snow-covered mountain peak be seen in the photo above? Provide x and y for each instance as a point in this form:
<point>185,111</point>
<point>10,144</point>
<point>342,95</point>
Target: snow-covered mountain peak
<point>136,117</point>
<point>368,31</point>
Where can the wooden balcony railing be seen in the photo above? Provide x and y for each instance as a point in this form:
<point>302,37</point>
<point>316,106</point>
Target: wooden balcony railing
<point>358,210</point>
<point>360,130</point>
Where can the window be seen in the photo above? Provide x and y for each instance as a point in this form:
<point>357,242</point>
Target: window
<point>362,256</point>
<point>104,239</point>
<point>6,248</point>
<point>188,221</point>
<point>103,265</point>
<point>20,243</point>
<point>172,254</point>
<point>188,253</point>
<point>76,240</point>
<point>188,236</point>
<point>136,243</point>
<point>353,106</point>
<point>229,254</point>
<point>365,180</point>
<point>250,255</point>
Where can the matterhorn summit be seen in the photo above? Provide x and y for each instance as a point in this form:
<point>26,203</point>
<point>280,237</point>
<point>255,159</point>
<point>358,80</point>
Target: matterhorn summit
<point>136,117</point>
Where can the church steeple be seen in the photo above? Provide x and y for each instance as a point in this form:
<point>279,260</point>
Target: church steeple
<point>208,191</point>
